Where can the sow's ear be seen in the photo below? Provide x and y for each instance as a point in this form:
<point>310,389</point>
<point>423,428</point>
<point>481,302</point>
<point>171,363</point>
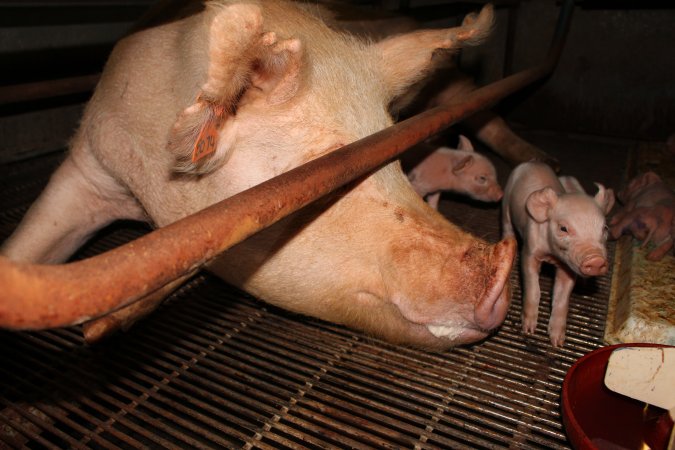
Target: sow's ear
<point>604,198</point>
<point>244,63</point>
<point>407,58</point>
<point>540,203</point>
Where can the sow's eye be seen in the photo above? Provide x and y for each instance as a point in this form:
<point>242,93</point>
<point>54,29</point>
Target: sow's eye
<point>563,229</point>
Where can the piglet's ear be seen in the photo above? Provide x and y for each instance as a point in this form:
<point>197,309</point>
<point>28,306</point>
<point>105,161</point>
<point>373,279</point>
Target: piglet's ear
<point>465,144</point>
<point>571,185</point>
<point>540,203</point>
<point>650,178</point>
<point>407,58</point>
<point>604,198</point>
<point>463,163</point>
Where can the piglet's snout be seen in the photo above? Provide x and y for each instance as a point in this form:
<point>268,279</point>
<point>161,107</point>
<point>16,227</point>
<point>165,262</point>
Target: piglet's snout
<point>495,193</point>
<point>594,265</point>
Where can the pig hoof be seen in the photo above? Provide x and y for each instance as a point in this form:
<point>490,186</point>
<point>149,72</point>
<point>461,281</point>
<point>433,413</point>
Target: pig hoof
<point>557,341</point>
<point>557,335</point>
<point>529,328</point>
<point>556,330</point>
<point>529,325</point>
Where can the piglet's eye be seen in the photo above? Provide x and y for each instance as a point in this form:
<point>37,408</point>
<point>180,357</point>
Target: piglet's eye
<point>481,179</point>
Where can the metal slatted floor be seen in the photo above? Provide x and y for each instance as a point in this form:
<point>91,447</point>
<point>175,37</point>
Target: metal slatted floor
<point>215,368</point>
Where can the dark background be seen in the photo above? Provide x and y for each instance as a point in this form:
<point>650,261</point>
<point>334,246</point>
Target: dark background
<point>614,79</point>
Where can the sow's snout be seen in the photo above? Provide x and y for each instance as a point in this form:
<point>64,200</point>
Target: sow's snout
<point>465,297</point>
<point>491,309</point>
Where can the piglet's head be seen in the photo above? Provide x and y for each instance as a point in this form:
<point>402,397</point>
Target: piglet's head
<point>638,185</point>
<point>476,174</point>
<point>574,226</point>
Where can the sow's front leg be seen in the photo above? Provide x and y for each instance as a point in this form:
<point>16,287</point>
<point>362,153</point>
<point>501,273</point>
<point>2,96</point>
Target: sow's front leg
<point>79,199</point>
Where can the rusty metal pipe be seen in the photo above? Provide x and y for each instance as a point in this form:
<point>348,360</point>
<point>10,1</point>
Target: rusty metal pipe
<point>36,296</point>
<point>40,90</point>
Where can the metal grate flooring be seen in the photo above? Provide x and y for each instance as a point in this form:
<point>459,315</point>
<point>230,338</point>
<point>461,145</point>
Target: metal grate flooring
<point>215,368</point>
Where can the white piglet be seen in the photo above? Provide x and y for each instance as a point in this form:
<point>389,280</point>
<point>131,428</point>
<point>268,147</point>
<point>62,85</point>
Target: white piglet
<point>462,170</point>
<point>559,224</point>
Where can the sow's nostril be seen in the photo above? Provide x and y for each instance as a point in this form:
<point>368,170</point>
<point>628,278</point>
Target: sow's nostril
<point>594,266</point>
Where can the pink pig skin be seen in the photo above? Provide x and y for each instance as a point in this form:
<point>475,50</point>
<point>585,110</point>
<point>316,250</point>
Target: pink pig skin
<point>648,214</point>
<point>561,225</point>
<point>462,170</point>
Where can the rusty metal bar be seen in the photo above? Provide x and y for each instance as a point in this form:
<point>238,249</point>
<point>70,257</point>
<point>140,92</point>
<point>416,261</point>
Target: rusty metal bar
<point>43,296</point>
<point>45,89</point>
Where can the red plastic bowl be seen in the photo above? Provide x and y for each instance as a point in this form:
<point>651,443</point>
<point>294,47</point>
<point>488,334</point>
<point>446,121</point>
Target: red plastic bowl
<point>596,418</point>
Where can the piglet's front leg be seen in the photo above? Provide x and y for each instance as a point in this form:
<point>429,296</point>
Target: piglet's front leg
<point>562,289</point>
<point>530,267</point>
